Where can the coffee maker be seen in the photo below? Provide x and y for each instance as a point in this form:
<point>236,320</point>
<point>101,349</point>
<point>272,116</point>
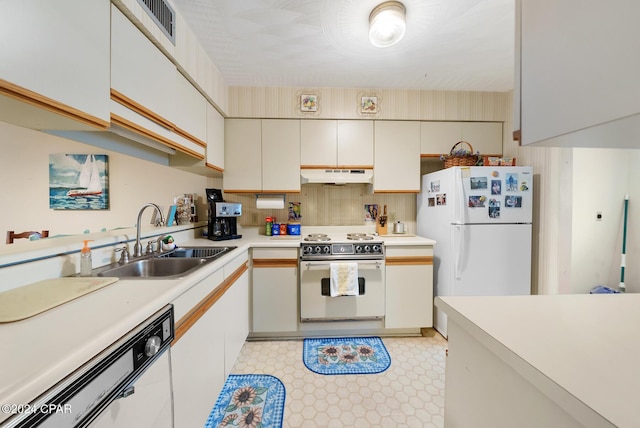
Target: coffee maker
<point>223,217</point>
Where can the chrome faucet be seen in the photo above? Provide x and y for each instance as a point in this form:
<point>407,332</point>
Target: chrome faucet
<point>137,248</point>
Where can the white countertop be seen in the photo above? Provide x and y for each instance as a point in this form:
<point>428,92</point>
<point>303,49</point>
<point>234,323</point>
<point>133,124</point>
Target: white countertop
<point>40,351</point>
<point>583,349</point>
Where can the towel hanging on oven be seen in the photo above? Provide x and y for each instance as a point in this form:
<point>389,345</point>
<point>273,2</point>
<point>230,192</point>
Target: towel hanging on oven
<point>344,279</point>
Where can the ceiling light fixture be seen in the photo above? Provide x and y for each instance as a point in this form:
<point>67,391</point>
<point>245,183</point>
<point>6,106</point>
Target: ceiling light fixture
<point>387,24</point>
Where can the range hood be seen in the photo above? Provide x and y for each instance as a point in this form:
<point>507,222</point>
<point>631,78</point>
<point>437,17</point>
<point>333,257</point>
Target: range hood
<point>336,176</point>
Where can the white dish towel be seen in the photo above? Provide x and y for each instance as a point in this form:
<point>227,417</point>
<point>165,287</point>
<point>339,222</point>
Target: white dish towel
<point>344,279</point>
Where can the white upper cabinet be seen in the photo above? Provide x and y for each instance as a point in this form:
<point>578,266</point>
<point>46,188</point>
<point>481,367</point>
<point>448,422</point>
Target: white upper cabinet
<point>141,75</point>
<point>54,64</point>
<point>318,143</point>
<point>397,157</point>
<point>355,143</point>
<point>336,143</point>
<point>215,139</point>
<point>190,111</point>
<point>437,138</point>
<point>243,155</point>
<point>281,155</point>
<point>579,65</point>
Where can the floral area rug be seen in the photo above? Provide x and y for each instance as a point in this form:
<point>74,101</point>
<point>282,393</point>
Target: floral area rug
<point>346,355</point>
<point>255,401</point>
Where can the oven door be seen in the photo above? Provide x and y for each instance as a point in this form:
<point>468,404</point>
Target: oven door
<point>317,305</point>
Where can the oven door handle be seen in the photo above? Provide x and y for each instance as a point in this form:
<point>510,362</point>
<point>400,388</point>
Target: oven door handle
<point>361,264</point>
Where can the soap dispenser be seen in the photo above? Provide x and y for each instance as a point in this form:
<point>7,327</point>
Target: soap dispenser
<point>86,264</point>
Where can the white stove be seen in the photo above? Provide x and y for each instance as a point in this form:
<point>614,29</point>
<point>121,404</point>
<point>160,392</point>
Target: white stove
<point>320,248</point>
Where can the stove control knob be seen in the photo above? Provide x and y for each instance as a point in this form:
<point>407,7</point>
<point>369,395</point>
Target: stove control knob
<point>376,248</point>
<point>358,248</point>
<point>367,249</point>
<point>326,249</point>
<point>308,250</point>
<point>317,250</point>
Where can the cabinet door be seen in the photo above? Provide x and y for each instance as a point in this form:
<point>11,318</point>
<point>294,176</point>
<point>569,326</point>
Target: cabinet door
<point>318,143</point>
<point>198,368</point>
<point>579,72</point>
<point>243,155</point>
<point>57,50</point>
<point>235,303</point>
<point>190,116</point>
<point>485,137</point>
<point>215,138</point>
<point>409,301</point>
<point>140,72</point>
<point>397,156</point>
<point>281,156</point>
<point>355,143</point>
<point>437,138</point>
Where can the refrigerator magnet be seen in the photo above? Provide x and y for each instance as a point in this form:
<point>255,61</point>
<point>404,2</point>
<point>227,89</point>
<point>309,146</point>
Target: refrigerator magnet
<point>431,202</point>
<point>441,199</point>
<point>511,182</point>
<point>434,186</point>
<point>494,208</point>
<point>477,201</point>
<point>524,187</point>
<point>496,187</point>
<point>478,183</point>
<point>513,201</point>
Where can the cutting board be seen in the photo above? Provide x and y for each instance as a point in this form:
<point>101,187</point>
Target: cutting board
<point>29,300</point>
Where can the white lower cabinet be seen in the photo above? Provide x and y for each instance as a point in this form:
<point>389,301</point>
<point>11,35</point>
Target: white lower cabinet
<point>150,404</point>
<point>274,290</point>
<point>409,287</point>
<point>209,337</point>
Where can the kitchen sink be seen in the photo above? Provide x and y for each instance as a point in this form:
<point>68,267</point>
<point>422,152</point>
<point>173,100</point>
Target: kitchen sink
<point>177,263</point>
<point>198,252</point>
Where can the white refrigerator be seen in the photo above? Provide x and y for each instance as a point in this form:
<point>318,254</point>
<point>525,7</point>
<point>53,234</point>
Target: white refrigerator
<point>480,218</point>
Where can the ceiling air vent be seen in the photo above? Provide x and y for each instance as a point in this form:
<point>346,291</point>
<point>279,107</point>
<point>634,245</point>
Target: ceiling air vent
<point>162,15</point>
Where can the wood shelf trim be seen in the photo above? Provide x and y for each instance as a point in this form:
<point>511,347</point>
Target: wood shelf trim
<point>37,100</point>
<point>134,127</point>
<point>397,191</point>
<point>129,103</point>
<point>189,137</point>
<point>212,166</point>
<point>409,260</point>
<point>188,320</point>
<point>275,263</point>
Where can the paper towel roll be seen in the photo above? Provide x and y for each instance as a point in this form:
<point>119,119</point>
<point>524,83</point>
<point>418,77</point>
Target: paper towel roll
<point>270,203</point>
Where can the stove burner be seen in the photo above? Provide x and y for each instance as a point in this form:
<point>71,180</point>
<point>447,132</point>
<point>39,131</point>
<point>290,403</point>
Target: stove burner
<point>359,237</point>
<point>317,237</point>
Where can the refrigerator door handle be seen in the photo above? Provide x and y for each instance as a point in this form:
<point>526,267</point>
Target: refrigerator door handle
<point>461,207</point>
<point>459,250</point>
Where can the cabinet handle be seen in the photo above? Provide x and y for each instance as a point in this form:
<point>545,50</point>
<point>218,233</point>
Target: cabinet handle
<point>130,390</point>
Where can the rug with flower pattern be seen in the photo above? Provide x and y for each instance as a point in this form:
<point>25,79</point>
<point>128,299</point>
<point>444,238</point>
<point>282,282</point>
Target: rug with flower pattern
<point>253,400</point>
<point>346,355</point>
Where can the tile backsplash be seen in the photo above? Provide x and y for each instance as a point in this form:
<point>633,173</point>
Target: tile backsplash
<point>330,205</point>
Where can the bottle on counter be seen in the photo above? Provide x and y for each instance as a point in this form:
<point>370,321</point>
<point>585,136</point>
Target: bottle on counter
<point>86,263</point>
<point>269,222</point>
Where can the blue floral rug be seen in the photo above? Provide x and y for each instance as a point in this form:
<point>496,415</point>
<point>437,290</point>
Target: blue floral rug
<point>346,355</point>
<point>251,400</point>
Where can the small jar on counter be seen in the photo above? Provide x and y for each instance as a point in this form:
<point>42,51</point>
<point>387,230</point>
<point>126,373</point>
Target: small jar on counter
<point>269,222</point>
<point>283,228</point>
<point>275,229</point>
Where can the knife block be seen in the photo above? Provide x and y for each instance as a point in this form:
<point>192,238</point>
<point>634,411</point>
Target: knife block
<point>382,230</point>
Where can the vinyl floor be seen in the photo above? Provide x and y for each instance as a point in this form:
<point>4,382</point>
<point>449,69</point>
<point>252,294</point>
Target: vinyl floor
<point>409,393</point>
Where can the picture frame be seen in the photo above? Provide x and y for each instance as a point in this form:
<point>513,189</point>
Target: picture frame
<point>308,102</point>
<point>79,181</point>
<point>369,104</point>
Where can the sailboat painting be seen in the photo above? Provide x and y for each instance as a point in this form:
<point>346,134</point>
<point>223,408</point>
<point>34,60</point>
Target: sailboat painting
<point>78,182</point>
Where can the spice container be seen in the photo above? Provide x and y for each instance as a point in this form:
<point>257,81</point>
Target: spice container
<point>269,222</point>
<point>293,228</point>
<point>275,229</point>
<point>283,228</point>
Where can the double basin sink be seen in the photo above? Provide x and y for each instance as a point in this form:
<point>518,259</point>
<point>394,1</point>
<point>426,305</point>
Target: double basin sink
<point>170,265</point>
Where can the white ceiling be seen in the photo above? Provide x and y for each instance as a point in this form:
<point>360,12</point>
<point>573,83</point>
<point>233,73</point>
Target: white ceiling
<point>465,45</point>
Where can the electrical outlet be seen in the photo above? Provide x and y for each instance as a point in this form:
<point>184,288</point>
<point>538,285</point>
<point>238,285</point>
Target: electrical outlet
<point>599,216</point>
